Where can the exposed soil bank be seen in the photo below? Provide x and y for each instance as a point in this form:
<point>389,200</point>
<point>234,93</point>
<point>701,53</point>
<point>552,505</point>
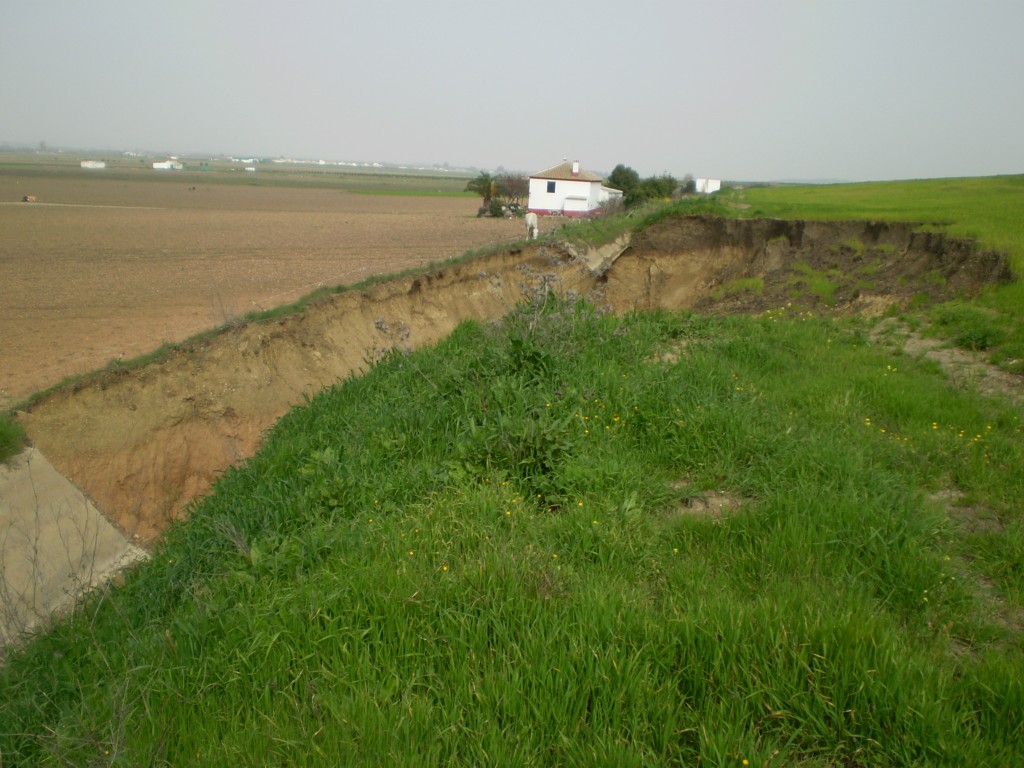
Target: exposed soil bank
<point>711,265</point>
<point>142,444</point>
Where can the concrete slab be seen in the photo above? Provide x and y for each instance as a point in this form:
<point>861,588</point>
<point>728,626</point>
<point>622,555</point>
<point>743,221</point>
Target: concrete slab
<point>54,545</point>
<point>598,259</point>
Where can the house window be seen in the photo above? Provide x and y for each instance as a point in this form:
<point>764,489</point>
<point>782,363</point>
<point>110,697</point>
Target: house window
<point>551,187</point>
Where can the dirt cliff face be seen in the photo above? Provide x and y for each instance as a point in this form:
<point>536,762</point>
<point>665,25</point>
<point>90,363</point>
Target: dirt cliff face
<point>144,443</point>
<point>725,266</point>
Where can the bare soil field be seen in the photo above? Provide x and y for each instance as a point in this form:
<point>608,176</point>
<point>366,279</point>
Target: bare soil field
<point>104,268</point>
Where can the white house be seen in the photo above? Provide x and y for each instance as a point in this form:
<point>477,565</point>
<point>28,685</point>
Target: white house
<point>169,165</point>
<point>568,189</point>
<point>93,164</point>
<point>707,186</point>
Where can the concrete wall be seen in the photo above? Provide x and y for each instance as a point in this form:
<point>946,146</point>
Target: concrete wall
<point>543,201</point>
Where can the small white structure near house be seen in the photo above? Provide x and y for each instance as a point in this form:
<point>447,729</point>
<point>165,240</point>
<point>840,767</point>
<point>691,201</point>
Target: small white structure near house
<point>93,164</point>
<point>707,186</point>
<point>169,165</point>
<point>568,189</point>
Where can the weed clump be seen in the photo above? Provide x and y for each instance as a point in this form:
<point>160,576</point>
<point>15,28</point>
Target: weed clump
<point>969,326</point>
<point>12,438</point>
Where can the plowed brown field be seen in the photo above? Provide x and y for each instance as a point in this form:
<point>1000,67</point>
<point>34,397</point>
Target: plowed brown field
<point>102,268</point>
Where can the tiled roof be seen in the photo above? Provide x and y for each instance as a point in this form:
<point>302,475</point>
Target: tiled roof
<point>563,172</point>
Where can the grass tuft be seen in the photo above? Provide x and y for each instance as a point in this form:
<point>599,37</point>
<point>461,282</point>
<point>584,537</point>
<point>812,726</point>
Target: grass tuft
<point>12,438</point>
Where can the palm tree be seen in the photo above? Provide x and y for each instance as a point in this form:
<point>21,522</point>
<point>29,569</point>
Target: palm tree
<point>482,185</point>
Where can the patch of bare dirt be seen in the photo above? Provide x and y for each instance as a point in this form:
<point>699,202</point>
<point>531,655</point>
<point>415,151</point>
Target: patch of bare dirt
<point>144,443</point>
<point>963,367</point>
<point>711,505</point>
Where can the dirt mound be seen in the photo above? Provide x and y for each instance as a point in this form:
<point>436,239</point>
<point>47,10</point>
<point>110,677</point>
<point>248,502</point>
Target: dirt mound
<point>142,444</point>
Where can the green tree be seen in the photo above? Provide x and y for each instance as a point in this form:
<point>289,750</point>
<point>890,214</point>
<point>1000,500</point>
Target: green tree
<point>661,186</point>
<point>651,188</point>
<point>636,190</point>
<point>623,178</point>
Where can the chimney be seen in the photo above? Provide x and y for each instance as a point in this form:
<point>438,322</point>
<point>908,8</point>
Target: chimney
<point>575,167</point>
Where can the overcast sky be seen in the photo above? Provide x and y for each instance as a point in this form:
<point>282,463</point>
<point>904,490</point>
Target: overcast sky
<point>733,89</point>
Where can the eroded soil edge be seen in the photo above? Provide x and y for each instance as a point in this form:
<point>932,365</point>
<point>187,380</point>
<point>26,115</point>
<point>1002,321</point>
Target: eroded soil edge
<point>143,443</point>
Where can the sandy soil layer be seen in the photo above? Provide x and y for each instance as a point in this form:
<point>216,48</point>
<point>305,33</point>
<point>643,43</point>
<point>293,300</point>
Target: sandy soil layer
<point>103,269</point>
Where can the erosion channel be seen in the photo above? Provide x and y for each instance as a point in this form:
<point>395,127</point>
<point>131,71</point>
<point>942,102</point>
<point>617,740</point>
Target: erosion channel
<point>142,443</point>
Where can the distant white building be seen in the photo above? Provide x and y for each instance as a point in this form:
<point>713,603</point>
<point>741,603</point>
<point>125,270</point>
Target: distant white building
<point>169,165</point>
<point>568,189</point>
<point>93,164</point>
<point>707,186</point>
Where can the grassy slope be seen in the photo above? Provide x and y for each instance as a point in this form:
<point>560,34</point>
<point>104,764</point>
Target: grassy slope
<point>482,554</point>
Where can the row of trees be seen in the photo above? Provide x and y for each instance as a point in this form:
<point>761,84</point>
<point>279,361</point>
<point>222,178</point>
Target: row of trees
<point>636,190</point>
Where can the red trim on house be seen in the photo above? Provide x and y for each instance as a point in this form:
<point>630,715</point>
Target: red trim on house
<point>556,212</point>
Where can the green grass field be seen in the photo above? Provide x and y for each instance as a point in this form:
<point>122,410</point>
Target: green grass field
<point>580,539</point>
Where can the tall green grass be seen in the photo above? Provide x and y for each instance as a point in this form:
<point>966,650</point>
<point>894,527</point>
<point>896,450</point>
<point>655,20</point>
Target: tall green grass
<point>500,551</point>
